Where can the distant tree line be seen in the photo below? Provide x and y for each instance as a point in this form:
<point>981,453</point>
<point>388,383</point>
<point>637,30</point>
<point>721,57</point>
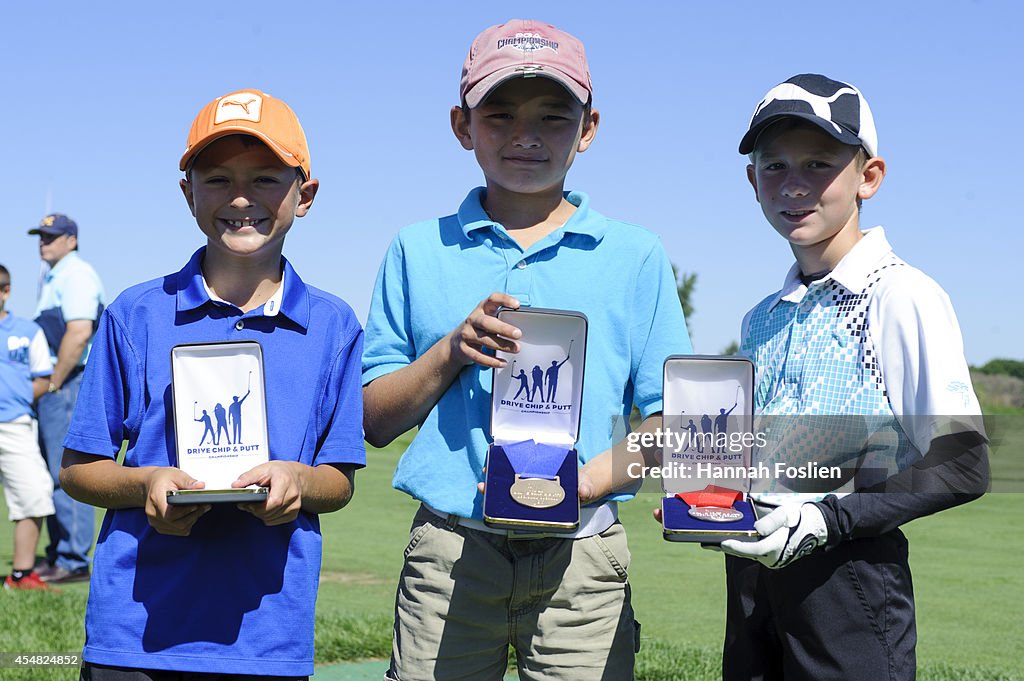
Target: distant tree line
<point>1005,367</point>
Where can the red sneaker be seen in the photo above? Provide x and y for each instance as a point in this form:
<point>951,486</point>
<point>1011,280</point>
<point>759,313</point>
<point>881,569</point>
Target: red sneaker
<point>28,582</point>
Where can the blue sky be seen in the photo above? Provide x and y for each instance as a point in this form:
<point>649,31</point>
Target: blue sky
<point>98,98</point>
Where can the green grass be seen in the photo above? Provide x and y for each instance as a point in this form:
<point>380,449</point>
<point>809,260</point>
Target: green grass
<point>1006,432</point>
<point>968,582</point>
<point>34,622</point>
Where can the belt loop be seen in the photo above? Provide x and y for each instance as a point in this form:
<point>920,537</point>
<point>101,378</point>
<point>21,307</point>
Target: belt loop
<point>451,522</point>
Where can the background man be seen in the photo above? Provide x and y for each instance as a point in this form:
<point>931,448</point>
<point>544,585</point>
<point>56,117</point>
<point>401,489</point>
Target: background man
<point>70,302</point>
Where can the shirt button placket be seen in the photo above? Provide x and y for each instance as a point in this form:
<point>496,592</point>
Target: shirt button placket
<point>519,284</point>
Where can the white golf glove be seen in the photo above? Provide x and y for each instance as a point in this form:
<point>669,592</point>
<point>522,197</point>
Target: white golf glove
<point>790,532</point>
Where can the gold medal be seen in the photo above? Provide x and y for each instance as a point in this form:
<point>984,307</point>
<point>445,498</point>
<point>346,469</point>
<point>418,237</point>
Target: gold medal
<point>537,492</point>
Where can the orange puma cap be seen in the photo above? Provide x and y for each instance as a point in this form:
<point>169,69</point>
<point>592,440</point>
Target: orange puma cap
<point>250,112</point>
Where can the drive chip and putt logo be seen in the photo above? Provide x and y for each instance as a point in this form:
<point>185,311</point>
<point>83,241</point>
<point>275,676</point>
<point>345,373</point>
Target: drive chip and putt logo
<point>528,42</point>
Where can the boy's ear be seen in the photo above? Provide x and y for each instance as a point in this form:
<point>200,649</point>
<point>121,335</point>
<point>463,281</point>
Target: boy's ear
<point>872,175</point>
<point>589,130</point>
<point>307,192</point>
<point>752,179</point>
<point>460,126</point>
<point>186,189</point>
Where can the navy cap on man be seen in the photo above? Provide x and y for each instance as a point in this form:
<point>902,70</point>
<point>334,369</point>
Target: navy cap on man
<point>55,225</point>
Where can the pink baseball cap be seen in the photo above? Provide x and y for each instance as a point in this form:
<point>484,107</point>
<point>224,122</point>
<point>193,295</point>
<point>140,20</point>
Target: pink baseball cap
<point>524,48</point>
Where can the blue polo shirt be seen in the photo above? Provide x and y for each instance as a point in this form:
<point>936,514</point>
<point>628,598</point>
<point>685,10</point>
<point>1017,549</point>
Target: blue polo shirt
<point>23,357</point>
<point>70,290</point>
<point>235,596</point>
<point>436,272</point>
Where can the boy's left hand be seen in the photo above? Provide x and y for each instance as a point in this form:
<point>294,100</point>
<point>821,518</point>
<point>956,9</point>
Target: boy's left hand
<point>790,532</point>
<point>284,496</point>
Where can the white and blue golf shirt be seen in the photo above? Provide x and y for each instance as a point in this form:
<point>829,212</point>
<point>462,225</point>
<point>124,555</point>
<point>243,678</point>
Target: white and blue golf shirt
<point>874,338</point>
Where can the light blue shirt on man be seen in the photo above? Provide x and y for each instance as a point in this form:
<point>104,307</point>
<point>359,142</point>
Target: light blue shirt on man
<point>436,272</point>
<point>71,290</point>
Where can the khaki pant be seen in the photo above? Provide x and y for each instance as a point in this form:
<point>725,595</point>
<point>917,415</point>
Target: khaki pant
<point>465,595</point>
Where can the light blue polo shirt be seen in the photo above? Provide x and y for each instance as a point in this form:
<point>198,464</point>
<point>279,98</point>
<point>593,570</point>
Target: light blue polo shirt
<point>235,596</point>
<point>436,272</point>
<point>70,291</point>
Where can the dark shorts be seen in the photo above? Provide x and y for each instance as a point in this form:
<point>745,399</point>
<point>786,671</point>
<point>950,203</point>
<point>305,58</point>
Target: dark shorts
<point>843,614</point>
<point>100,672</point>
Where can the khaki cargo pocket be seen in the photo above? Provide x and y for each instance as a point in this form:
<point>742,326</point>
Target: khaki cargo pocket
<point>421,524</point>
<point>618,557</point>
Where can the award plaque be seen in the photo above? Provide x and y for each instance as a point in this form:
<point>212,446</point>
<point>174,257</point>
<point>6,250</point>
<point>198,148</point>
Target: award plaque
<point>707,423</point>
<point>220,419</point>
<point>532,474</point>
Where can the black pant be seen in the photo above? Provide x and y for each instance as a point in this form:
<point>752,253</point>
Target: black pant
<point>100,672</point>
<point>844,614</point>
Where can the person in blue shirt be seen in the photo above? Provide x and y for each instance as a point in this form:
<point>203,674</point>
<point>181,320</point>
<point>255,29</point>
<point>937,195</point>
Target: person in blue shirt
<point>468,591</point>
<point>25,369</point>
<point>225,589</point>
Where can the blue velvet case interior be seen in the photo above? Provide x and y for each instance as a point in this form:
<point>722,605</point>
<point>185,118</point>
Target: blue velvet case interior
<point>501,510</point>
<point>679,525</point>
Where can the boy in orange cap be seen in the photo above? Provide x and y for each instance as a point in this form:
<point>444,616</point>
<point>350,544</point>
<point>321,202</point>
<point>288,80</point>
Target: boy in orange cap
<point>227,590</point>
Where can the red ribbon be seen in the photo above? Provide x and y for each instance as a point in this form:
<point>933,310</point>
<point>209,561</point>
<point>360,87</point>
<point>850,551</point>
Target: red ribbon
<point>712,495</point>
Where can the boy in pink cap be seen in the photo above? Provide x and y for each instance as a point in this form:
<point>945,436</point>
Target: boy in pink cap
<point>468,591</point>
